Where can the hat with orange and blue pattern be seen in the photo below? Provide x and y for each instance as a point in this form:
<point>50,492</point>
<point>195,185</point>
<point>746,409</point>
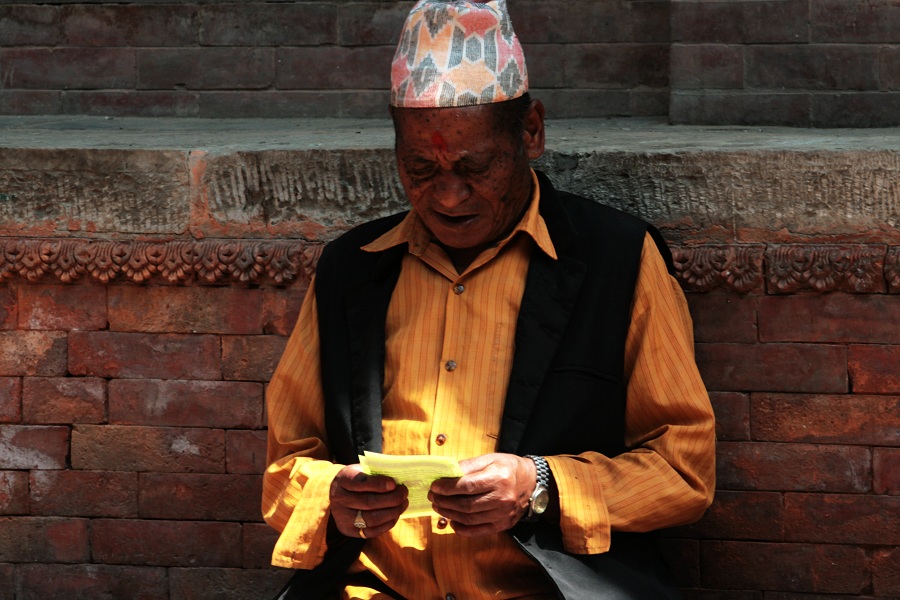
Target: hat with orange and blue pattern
<point>457,53</point>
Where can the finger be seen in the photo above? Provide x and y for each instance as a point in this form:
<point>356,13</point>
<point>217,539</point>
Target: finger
<point>353,479</point>
<point>353,501</point>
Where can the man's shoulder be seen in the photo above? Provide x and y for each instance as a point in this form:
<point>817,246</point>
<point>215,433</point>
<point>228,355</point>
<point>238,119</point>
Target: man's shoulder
<point>351,242</point>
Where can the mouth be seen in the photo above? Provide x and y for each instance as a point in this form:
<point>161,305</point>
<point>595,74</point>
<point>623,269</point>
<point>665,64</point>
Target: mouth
<point>455,220</point>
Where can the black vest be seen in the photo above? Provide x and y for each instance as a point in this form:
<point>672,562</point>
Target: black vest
<point>566,393</point>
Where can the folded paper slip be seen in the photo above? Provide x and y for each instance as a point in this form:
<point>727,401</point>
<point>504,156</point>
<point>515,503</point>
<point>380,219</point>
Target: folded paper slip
<point>415,472</point>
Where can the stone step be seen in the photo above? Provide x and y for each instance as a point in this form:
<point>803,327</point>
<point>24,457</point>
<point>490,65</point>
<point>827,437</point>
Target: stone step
<point>718,193</point>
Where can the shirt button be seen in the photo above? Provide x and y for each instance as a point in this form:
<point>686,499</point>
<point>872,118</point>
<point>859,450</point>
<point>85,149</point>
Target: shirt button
<point>450,365</point>
<point>440,440</point>
<point>449,597</point>
<point>442,523</point>
<point>459,289</point>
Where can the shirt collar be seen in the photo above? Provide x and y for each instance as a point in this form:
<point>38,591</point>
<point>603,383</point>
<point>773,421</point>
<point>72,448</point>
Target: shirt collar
<point>411,230</point>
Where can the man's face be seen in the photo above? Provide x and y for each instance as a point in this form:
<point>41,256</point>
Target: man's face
<point>467,178</point>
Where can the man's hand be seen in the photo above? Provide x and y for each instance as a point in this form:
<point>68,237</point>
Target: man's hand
<point>491,497</point>
<point>379,498</point>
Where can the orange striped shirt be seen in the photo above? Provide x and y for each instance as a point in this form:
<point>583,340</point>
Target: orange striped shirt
<point>436,316</point>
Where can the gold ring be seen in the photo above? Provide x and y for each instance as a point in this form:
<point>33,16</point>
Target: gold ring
<point>362,533</point>
<point>359,523</point>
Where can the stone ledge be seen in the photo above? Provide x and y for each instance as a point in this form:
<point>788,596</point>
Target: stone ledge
<point>234,202</point>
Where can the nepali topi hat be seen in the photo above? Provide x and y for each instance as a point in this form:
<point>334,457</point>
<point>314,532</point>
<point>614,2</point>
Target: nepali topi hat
<point>457,53</point>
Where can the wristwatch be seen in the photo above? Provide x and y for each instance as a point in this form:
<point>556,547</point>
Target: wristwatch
<point>540,497</point>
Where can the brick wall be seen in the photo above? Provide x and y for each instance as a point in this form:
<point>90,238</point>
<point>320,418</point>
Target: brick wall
<point>145,296</point>
<point>822,63</point>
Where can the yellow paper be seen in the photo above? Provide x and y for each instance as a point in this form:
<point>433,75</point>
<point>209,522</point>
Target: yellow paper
<point>415,472</point>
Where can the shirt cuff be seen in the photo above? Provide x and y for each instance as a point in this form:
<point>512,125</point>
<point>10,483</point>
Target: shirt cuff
<point>583,514</point>
<point>302,543</point>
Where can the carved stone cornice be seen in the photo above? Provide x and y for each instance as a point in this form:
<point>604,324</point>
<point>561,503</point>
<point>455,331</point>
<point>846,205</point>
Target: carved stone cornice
<point>176,262</point>
<point>738,268</point>
<point>892,269</point>
<point>845,268</point>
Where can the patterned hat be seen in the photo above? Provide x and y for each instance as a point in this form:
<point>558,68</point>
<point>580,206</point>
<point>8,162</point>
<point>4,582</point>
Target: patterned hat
<point>457,53</point>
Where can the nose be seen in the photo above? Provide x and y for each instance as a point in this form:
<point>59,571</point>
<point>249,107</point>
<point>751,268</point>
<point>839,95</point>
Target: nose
<point>450,189</point>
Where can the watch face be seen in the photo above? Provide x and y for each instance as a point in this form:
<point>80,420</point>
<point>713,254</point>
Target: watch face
<point>540,502</point>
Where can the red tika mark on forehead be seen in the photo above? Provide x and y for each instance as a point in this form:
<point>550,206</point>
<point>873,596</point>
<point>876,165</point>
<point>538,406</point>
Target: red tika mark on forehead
<point>438,141</point>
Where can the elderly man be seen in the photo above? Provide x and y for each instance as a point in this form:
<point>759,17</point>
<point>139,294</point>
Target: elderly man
<point>535,336</point>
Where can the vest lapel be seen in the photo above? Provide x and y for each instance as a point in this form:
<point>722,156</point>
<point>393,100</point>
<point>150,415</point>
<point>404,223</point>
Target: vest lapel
<point>366,310</point>
<point>551,291</point>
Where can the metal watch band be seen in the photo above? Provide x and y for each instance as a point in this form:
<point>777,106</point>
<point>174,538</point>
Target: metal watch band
<point>543,469</point>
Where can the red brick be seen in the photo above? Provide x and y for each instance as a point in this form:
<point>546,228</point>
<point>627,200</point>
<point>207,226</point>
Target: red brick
<point>759,21</point>
<point>793,467</point>
<point>7,582</point>
<point>156,449</point>
<point>10,399</point>
<point>186,403</point>
<point>812,67</point>
<point>651,22</point>
<point>544,62</point>
<point>13,493</point>
<point>859,109</point>
<point>616,65</point>
<point>227,584</point>
<point>843,419</point>
<point>245,451</point>
<point>32,353</point>
<point>74,493</point>
<point>48,582</point>
<point>788,567</point>
<point>886,464</point>
<point>185,310</point>
<point>259,542</point>
<point>539,22</point>
<point>875,369</point>
<point>724,317</point>
<point>732,415</point>
<point>200,497</point>
<point>27,102</point>
<point>63,400</point>
<point>649,103</point>
<point>371,24</point>
<point>166,543</point>
<point>886,572</point>
<point>9,311</point>
<point>204,68</point>
<point>268,24</point>
<point>62,307</point>
<point>890,68</point>
<point>707,66</point>
<point>740,516</point>
<point>132,104</point>
<point>835,318</point>
<point>281,307</point>
<point>251,358</point>
<point>33,447</point>
<point>29,25</point>
<point>693,594</point>
<point>61,68</point>
<point>707,22</point>
<point>571,104</point>
<point>842,519</point>
<point>739,108</point>
<point>40,539</point>
<point>773,367</point>
<point>168,25</point>
<point>325,67</point>
<point>139,355</point>
<point>683,559</point>
<point>866,21</point>
<point>274,104</point>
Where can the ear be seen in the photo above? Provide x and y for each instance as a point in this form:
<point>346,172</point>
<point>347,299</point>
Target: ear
<point>533,136</point>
